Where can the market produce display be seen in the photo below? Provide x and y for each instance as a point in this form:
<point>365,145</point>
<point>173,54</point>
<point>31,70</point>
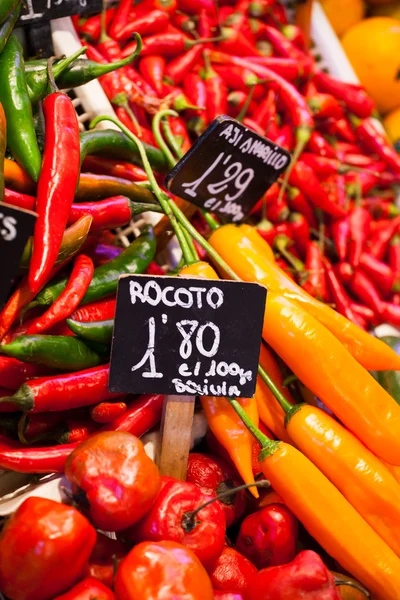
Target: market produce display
<point>291,494</point>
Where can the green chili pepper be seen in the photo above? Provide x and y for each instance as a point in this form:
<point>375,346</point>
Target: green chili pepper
<point>7,26</point>
<point>390,380</point>
<point>96,331</point>
<point>118,145</point>
<point>37,81</point>
<point>63,352</point>
<point>80,72</point>
<point>134,259</point>
<point>7,7</point>
<point>21,138</point>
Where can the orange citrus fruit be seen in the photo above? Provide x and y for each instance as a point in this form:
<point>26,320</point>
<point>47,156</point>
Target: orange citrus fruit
<point>343,14</point>
<point>392,126</point>
<point>373,48</point>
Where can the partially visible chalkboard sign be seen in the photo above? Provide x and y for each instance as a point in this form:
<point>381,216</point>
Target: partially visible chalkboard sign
<point>34,11</point>
<point>228,169</point>
<point>16,226</point>
<point>186,336</point>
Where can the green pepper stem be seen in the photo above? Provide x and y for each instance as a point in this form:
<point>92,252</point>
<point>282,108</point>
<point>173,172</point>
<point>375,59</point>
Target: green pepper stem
<point>155,126</point>
<point>171,139</point>
<point>160,195</point>
<point>211,222</point>
<point>246,105</point>
<point>285,404</point>
<point>260,437</point>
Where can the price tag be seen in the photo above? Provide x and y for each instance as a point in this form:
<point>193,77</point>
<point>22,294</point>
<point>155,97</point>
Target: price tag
<point>228,169</point>
<point>34,11</point>
<point>186,336</point>
<point>16,226</point>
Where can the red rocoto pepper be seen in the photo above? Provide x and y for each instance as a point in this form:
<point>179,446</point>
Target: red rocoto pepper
<point>36,544</point>
<point>305,577</point>
<point>152,68</point>
<point>142,414</point>
<point>316,283</point>
<point>268,537</point>
<point>380,273</point>
<point>105,555</point>
<point>359,223</point>
<point>301,231</point>
<point>70,297</point>
<point>88,589</point>
<point>62,392</point>
<point>213,476</point>
<point>97,311</point>
<point>304,178</point>
<point>377,142</point>
<point>116,479</point>
<point>341,300</point>
<point>379,239</point>
<point>18,199</point>
<point>364,289</point>
<point>106,412</point>
<point>157,569</point>
<point>109,213</point>
<point>171,518</point>
<point>355,98</point>
<point>232,572</point>
<point>56,186</point>
<point>14,373</point>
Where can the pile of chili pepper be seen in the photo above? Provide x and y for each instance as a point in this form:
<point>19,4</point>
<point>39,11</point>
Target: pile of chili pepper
<point>324,240</point>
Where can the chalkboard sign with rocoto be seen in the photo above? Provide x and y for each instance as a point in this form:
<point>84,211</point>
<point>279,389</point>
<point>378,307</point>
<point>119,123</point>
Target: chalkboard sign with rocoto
<point>228,169</point>
<point>186,336</point>
<point>34,11</point>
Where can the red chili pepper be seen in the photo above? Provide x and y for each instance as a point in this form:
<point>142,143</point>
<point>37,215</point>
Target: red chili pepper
<point>253,126</point>
<point>155,269</point>
<point>277,211</point>
<point>70,297</point>
<point>285,137</point>
<point>298,203</point>
<point>120,18</point>
<point>115,478</point>
<point>204,535</point>
<point>363,288</point>
<point>180,131</point>
<point>192,7</point>
<point>260,8</point>
<point>62,392</point>
<point>140,82</point>
<point>232,571</point>
<point>325,105</point>
<point>105,555</point>
<point>18,199</point>
<point>282,45</point>
<point>266,110</point>
<point>115,168</point>
<point>342,301</point>
<point>195,89</point>
<point>304,178</point>
<point>357,160</point>
<point>88,589</point>
<point>321,165</point>
<point>166,44</point>
<point>318,144</point>
<point>394,254</point>
<point>106,412</point>
<point>109,213</point>
<point>356,99</point>
<point>295,34</point>
<point>340,229</point>
<point>269,232</point>
<point>359,222</point>
<point>396,299</point>
<point>305,577</point>
<point>49,459</point>
<point>364,313</point>
<point>391,313</point>
<point>379,239</point>
<point>338,127</point>
<point>236,42</point>
<point>236,101</point>
<point>288,68</point>
<point>301,231</point>
<point>36,541</point>
<point>141,415</point>
<point>14,373</point>
<point>344,272</point>
<point>180,66</point>
<point>217,93</point>
<point>376,142</point>
<point>213,476</point>
<point>76,431</point>
<point>153,68</point>
<point>380,273</point>
<point>268,537</point>
<point>97,311</point>
<point>184,22</point>
<point>91,29</point>
<point>151,23</point>
<point>239,77</point>
<point>380,208</point>
<point>316,283</point>
<point>57,184</point>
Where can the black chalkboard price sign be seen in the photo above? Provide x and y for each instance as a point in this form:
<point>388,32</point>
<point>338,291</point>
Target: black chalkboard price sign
<point>228,169</point>
<point>16,226</point>
<point>34,11</point>
<point>186,336</point>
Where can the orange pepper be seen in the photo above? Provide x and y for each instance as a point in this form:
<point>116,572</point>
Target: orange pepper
<point>270,411</point>
<point>324,365</point>
<point>328,516</point>
<point>222,419</point>
<point>351,467</point>
<point>395,471</point>
<point>17,179</point>
<point>243,256</point>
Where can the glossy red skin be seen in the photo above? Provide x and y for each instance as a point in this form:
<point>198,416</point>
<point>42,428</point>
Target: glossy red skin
<point>305,577</point>
<point>218,595</point>
<point>213,476</point>
<point>269,537</point>
<point>164,521</point>
<point>107,214</point>
<point>161,570</point>
<point>102,561</point>
<point>233,571</point>
<point>119,480</point>
<point>44,548</point>
<point>88,589</point>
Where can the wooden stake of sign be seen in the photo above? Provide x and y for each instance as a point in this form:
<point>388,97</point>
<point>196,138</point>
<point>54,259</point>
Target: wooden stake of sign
<point>176,431</point>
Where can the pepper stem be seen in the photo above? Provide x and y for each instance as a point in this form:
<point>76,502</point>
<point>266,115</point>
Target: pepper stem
<point>171,139</point>
<point>211,222</point>
<point>160,195</point>
<point>285,404</point>
<point>303,135</point>
<point>281,243</point>
<point>246,105</point>
<point>104,37</point>
<point>156,128</point>
<point>260,437</point>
